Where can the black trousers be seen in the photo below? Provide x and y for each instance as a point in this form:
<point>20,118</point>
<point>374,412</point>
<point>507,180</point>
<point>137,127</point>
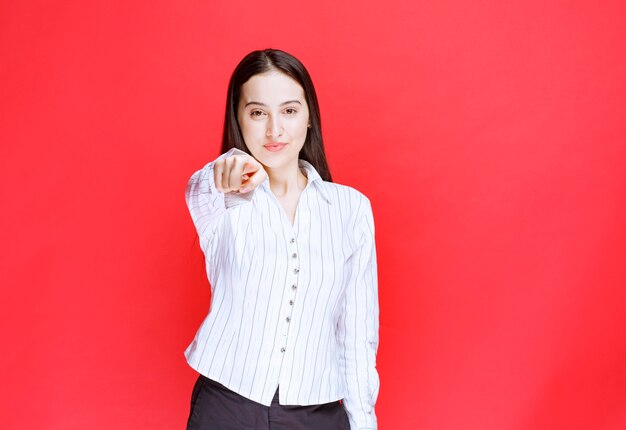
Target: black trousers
<point>215,407</point>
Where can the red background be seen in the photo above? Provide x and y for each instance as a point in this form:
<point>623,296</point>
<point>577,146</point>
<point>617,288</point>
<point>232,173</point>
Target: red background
<point>490,137</point>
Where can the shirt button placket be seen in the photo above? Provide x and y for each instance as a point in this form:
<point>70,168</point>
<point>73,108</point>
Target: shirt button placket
<point>295,270</point>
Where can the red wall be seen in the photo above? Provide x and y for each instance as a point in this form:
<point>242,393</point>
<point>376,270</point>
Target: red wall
<point>489,135</point>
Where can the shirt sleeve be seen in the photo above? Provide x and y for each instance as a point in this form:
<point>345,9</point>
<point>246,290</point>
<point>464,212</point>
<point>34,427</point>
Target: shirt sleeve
<point>358,326</point>
<point>206,204</point>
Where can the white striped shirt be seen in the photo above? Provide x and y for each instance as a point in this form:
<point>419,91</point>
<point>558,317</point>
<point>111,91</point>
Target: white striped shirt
<point>292,305</point>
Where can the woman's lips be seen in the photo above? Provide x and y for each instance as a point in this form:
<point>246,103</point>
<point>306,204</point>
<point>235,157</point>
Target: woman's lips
<point>274,146</point>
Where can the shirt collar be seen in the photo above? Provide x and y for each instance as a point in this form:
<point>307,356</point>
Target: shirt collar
<point>314,179</point>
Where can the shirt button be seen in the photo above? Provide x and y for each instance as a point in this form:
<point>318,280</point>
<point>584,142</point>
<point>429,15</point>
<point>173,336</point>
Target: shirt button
<point>294,286</point>
<point>294,255</point>
<point>287,319</point>
<point>290,302</point>
<point>282,349</point>
<point>296,270</point>
<point>292,240</point>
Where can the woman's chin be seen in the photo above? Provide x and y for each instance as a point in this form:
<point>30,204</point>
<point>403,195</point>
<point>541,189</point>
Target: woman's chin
<point>276,160</point>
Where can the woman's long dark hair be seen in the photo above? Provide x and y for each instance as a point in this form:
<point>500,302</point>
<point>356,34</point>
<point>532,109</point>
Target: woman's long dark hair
<point>263,61</point>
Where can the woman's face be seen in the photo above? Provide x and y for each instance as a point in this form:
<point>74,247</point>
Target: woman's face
<point>273,117</point>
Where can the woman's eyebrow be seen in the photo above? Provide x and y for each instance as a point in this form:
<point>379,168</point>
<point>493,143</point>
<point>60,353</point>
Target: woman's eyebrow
<point>264,105</point>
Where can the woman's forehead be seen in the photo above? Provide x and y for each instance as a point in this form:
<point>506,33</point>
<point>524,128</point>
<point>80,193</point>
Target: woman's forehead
<point>270,88</point>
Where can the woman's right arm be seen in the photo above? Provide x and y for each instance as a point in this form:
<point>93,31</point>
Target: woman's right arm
<point>207,204</point>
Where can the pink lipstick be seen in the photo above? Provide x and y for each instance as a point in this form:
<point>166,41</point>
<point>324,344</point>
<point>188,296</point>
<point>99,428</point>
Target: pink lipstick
<point>274,146</point>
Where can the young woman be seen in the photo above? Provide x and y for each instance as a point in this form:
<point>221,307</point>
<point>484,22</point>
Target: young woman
<point>291,336</point>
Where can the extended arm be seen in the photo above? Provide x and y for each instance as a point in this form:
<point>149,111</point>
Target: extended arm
<point>206,204</point>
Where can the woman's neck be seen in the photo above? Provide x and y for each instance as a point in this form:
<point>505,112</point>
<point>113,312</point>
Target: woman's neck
<point>287,180</point>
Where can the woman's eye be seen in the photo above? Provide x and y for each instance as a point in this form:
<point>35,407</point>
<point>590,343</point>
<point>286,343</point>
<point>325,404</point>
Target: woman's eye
<point>290,111</point>
<point>256,113</point>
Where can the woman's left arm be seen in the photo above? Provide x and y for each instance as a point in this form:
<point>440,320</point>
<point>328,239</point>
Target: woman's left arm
<point>358,326</point>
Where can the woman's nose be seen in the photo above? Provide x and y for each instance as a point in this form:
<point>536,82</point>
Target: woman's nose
<point>274,128</point>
